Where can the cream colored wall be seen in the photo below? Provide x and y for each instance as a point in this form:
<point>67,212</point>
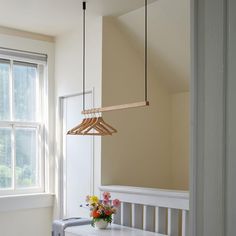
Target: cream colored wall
<point>180,140</point>
<point>36,222</point>
<point>168,39</point>
<point>151,148</point>
<point>139,154</point>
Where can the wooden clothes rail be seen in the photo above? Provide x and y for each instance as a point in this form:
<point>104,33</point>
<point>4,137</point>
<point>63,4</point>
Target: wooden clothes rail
<point>116,107</point>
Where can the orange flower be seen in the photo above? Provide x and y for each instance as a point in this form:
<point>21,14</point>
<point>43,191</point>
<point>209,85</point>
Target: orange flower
<point>95,214</point>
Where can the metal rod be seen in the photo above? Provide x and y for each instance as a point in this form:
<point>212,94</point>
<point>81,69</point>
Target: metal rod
<point>146,51</point>
<point>84,45</point>
<point>116,107</point>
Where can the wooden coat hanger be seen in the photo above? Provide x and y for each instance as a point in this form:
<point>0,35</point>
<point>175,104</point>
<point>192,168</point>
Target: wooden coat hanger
<point>72,131</point>
<point>98,124</point>
<point>91,124</point>
<point>113,130</point>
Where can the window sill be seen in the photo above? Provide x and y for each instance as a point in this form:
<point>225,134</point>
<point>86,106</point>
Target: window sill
<point>27,201</point>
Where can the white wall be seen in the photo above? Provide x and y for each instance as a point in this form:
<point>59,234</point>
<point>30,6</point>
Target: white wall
<point>68,75</point>
<point>231,127</point>
<point>34,220</point>
<point>213,118</point>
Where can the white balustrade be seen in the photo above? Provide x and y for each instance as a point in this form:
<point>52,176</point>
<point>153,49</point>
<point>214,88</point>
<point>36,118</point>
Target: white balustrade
<point>153,210</point>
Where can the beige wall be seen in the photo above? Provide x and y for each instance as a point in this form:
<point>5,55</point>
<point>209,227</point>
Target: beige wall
<point>139,154</point>
<point>151,146</point>
<point>36,222</point>
<point>180,140</point>
<point>168,39</point>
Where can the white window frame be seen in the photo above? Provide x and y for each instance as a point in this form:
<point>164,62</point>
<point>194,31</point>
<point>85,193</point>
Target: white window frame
<point>40,125</point>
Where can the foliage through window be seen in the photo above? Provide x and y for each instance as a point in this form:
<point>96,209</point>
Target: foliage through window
<point>21,126</point>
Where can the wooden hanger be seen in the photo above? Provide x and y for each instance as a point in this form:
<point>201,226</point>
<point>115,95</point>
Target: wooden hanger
<point>84,122</point>
<point>87,124</point>
<point>71,131</point>
<point>94,123</point>
<point>97,124</point>
<point>113,130</point>
<point>90,122</point>
<point>100,123</point>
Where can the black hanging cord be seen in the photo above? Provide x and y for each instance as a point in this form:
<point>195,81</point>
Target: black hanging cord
<point>146,51</point>
<point>84,24</point>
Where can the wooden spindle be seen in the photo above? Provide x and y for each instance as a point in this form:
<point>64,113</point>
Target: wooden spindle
<point>185,223</point>
<point>160,220</point>
<point>117,217</point>
<point>137,216</point>
<point>149,218</point>
<point>173,222</point>
<point>126,214</point>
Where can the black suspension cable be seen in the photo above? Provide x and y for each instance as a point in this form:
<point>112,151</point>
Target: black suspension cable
<point>146,51</point>
<point>84,68</point>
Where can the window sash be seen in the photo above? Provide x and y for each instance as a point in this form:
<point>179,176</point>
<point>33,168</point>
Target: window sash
<point>37,125</point>
<point>4,61</point>
<point>21,55</point>
<point>39,187</point>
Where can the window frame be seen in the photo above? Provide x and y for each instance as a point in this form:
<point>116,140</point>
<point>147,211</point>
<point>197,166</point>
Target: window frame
<point>40,125</point>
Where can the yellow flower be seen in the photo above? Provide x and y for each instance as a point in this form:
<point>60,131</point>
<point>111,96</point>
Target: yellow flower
<point>93,200</point>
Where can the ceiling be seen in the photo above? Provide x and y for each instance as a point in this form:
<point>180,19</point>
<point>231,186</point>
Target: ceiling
<point>55,17</point>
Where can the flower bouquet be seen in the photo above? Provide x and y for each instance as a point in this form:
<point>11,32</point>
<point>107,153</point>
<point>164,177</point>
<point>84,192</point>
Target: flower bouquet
<point>101,211</point>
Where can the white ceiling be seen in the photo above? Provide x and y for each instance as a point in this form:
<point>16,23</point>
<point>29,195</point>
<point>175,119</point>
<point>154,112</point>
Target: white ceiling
<point>54,17</point>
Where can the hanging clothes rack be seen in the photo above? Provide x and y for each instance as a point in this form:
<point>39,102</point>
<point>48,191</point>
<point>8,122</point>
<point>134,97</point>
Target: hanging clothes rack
<point>96,125</point>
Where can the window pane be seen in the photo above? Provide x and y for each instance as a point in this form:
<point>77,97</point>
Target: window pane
<point>24,77</point>
<point>4,90</point>
<point>26,157</point>
<point>5,158</point>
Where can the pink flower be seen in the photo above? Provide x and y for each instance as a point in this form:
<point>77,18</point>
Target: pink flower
<point>106,196</point>
<point>106,201</point>
<point>116,203</point>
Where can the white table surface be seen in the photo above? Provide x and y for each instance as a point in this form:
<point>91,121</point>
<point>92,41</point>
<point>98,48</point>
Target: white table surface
<point>112,230</point>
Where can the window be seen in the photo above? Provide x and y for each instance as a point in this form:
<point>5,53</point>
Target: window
<point>21,122</point>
